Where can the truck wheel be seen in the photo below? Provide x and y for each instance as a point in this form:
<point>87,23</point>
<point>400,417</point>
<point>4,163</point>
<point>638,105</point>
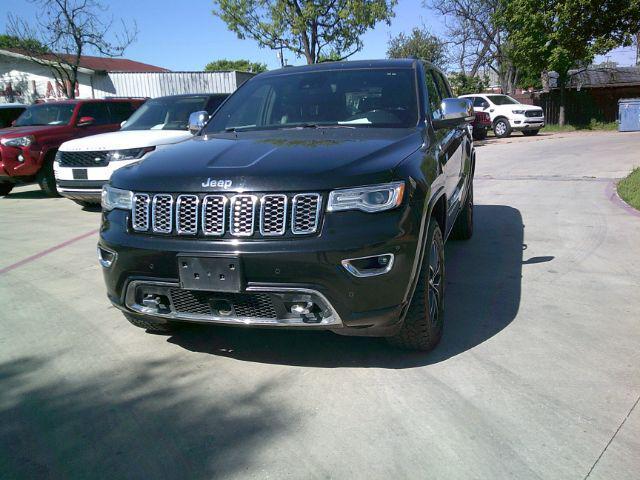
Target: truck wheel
<point>422,326</point>
<point>501,128</point>
<point>463,228</point>
<point>149,325</point>
<point>479,133</point>
<point>46,178</point>
<point>5,188</point>
<point>530,133</point>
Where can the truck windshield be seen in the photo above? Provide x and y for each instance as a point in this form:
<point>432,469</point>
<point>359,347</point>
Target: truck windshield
<point>46,114</point>
<point>170,113</point>
<point>350,97</point>
<point>502,100</point>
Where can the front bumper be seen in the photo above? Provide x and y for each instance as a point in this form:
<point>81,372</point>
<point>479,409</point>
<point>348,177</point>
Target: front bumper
<point>352,305</point>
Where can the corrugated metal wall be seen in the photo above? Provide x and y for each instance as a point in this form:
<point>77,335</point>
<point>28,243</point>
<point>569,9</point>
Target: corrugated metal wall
<point>129,84</point>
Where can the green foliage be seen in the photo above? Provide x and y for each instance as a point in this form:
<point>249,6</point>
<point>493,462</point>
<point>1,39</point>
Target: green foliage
<point>556,35</point>
<point>629,189</point>
<point>464,84</point>
<point>27,44</point>
<point>308,28</point>
<point>420,43</point>
<point>238,65</point>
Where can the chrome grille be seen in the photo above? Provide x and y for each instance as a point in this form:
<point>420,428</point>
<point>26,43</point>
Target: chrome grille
<point>214,213</point>
<point>140,214</point>
<point>242,215</point>
<point>305,213</point>
<point>187,214</point>
<point>273,214</point>
<point>248,215</point>
<point>162,213</point>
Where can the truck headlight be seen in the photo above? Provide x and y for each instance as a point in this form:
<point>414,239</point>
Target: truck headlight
<point>128,154</point>
<point>18,141</point>
<point>518,112</point>
<point>115,198</point>
<point>372,198</point>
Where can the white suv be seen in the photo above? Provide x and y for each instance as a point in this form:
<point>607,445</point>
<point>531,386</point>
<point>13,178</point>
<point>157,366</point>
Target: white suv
<point>507,114</point>
<point>83,165</point>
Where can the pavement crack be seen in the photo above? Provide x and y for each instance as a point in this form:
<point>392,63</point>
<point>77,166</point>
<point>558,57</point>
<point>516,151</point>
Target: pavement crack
<point>612,437</point>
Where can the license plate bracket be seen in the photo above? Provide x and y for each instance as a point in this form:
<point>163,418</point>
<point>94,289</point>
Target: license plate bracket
<point>214,274</point>
<point>79,174</point>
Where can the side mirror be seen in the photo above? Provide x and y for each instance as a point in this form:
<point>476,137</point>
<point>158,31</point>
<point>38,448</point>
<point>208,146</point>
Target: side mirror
<point>454,112</point>
<point>197,120</point>
<point>86,121</point>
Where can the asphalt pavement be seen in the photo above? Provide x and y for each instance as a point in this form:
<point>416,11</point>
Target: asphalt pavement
<point>537,375</point>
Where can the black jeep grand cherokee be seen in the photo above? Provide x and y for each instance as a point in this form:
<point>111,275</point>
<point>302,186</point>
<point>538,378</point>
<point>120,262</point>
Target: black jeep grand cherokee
<point>315,197</point>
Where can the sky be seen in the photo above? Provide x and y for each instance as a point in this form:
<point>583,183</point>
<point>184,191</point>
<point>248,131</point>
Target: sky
<point>187,38</point>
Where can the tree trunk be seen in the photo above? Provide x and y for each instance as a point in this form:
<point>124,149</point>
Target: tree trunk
<point>561,112</point>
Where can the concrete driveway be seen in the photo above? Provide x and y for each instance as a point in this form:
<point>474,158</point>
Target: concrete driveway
<point>537,376</point>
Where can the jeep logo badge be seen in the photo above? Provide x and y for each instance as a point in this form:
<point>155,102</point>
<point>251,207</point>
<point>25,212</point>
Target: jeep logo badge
<point>211,182</point>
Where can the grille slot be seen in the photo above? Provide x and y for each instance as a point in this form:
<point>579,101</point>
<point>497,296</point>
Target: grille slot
<point>242,215</point>
<point>273,215</point>
<point>305,213</point>
<point>83,159</point>
<point>140,215</point>
<point>187,214</point>
<point>196,302</point>
<point>162,213</point>
<point>214,214</point>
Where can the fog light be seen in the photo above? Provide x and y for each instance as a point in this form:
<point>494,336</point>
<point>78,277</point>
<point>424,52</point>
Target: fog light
<point>106,257</point>
<point>302,308</point>
<point>369,266</point>
<point>20,158</point>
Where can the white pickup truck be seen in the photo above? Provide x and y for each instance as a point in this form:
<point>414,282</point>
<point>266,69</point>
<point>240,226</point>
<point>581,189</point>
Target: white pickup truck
<point>83,165</point>
<point>507,114</point>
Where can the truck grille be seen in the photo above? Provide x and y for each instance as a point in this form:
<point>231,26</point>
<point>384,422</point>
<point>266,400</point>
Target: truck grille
<point>219,215</point>
<point>533,113</point>
<point>83,159</point>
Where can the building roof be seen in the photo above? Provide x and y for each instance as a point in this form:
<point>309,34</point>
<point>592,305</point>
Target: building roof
<point>603,77</point>
<point>96,64</point>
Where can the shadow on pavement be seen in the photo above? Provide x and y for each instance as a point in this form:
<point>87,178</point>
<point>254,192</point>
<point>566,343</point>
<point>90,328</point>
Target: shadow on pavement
<point>36,194</point>
<point>482,298</point>
<point>144,421</point>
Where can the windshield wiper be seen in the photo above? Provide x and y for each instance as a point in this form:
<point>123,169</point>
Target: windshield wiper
<point>319,125</point>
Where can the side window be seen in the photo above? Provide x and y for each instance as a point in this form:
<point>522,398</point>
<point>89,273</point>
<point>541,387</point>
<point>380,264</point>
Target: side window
<point>443,86</point>
<point>120,111</point>
<point>214,103</point>
<point>257,107</point>
<point>99,112</point>
<point>479,102</point>
<point>434,95</point>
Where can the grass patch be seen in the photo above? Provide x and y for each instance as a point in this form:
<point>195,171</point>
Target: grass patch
<point>629,188</point>
<point>593,125</point>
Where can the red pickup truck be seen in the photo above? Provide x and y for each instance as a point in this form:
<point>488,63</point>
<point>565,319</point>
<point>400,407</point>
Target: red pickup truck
<point>28,147</point>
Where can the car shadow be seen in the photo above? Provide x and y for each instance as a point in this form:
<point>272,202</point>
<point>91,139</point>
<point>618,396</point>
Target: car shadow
<point>35,194</point>
<point>482,298</point>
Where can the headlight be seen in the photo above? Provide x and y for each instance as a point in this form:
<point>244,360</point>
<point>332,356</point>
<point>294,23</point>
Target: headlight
<point>18,141</point>
<point>373,198</point>
<point>128,154</point>
<point>518,112</point>
<point>115,198</point>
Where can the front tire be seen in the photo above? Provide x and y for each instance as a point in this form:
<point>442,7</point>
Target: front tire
<point>422,327</point>
<point>479,133</point>
<point>5,188</point>
<point>530,133</point>
<point>46,178</point>
<point>149,325</point>
<point>501,128</point>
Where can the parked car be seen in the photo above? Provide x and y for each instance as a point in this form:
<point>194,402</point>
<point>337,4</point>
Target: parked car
<point>28,148</point>
<point>481,124</point>
<point>316,197</point>
<point>9,112</point>
<point>507,114</point>
<point>85,164</point>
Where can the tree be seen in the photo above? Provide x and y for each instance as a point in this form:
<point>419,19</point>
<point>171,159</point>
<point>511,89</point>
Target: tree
<point>476,39</point>
<point>307,28</point>
<point>464,84</point>
<point>557,35</point>
<point>239,65</point>
<point>69,29</point>
<point>15,43</point>
<point>420,43</point>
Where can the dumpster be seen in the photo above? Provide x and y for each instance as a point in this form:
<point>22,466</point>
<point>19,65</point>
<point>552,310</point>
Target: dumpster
<point>629,115</point>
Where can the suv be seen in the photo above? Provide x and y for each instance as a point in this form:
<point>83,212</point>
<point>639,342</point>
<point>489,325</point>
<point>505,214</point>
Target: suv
<point>28,148</point>
<point>316,197</point>
<point>83,165</point>
<point>507,114</point>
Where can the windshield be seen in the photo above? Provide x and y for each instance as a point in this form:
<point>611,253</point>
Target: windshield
<point>354,98</point>
<point>46,114</point>
<point>165,113</point>
<point>502,100</point>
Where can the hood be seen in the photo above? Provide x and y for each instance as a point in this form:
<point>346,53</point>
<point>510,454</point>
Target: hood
<point>273,160</point>
<point>125,139</point>
<point>34,130</point>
